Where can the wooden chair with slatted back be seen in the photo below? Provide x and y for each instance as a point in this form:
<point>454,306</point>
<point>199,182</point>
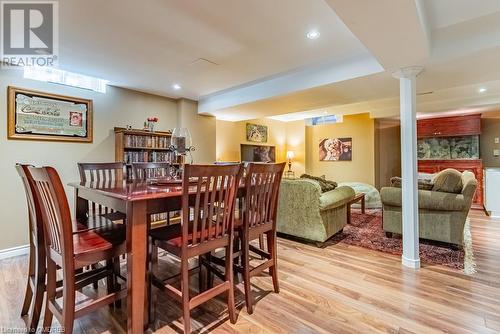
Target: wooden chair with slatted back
<point>206,225</point>
<point>35,287</point>
<point>260,205</point>
<point>150,170</point>
<point>71,252</point>
<point>97,215</point>
<point>143,171</point>
<point>258,209</point>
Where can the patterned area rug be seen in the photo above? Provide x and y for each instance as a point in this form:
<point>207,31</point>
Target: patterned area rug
<point>365,230</point>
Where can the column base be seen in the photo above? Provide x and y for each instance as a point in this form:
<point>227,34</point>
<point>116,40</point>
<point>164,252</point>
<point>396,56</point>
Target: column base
<point>410,263</point>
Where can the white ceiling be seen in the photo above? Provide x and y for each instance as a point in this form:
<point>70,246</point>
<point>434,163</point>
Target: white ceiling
<point>458,44</point>
<point>150,45</point>
<point>443,13</point>
<point>246,59</point>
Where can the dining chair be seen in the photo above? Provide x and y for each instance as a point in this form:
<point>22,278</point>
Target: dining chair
<point>258,210</point>
<point>98,215</point>
<point>71,252</point>
<point>35,286</point>
<point>206,225</point>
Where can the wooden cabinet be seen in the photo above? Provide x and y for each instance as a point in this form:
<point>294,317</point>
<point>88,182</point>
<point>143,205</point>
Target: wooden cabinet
<point>468,125</point>
<point>475,166</point>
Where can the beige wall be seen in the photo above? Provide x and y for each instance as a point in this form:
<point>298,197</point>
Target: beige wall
<point>296,142</point>
<point>118,107</point>
<point>362,167</point>
<point>202,129</point>
<point>231,134</point>
<point>490,129</point>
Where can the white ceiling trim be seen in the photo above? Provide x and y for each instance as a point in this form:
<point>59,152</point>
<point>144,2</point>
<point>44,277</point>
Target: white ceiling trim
<point>291,82</point>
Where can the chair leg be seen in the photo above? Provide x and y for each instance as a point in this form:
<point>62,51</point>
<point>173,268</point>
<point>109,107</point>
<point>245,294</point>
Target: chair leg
<point>39,291</point>
<point>261,244</point>
<point>116,272</point>
<point>210,274</point>
<point>230,277</point>
<point>68,310</point>
<point>110,279</point>
<point>95,285</point>
<point>28,296</point>
<point>152,267</point>
<point>246,276</point>
<point>186,312</point>
<point>51,293</point>
<point>272,244</point>
<point>202,276</point>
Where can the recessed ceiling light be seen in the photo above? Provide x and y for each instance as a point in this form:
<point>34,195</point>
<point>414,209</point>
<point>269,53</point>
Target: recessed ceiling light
<point>313,34</point>
<point>482,90</point>
<point>176,86</point>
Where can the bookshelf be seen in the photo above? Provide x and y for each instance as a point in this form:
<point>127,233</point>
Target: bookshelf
<point>144,146</point>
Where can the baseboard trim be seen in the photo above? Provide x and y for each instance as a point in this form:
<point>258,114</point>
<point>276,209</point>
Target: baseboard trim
<point>410,263</point>
<point>14,251</point>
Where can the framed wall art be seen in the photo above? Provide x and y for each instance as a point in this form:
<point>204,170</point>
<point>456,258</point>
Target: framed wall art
<point>33,115</point>
<point>256,133</point>
<point>335,149</point>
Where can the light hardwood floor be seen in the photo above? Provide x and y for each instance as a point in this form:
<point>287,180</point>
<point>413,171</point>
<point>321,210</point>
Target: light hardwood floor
<point>340,289</point>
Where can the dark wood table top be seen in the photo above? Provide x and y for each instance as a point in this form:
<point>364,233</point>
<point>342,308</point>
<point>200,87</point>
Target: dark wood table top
<point>131,191</point>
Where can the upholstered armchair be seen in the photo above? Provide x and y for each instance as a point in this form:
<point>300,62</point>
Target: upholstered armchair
<point>442,215</point>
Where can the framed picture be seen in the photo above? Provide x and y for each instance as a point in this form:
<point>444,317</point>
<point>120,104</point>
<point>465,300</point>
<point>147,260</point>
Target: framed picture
<point>33,115</point>
<point>256,133</point>
<point>335,149</point>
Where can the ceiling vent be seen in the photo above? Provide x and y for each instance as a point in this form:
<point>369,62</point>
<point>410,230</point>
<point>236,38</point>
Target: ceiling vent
<point>202,63</point>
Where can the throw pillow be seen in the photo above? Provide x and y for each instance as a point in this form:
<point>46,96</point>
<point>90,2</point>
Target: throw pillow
<point>448,181</point>
<point>422,184</point>
<point>325,185</point>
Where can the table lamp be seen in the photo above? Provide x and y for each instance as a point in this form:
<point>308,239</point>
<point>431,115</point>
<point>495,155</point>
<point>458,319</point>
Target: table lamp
<point>289,173</point>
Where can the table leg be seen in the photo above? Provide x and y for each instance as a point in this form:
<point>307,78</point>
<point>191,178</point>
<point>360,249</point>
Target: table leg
<point>136,265</point>
<point>363,204</point>
<point>82,209</point>
<point>348,213</point>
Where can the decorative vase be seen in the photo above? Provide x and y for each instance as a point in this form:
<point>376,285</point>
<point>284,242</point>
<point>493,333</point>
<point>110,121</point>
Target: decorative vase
<point>151,126</point>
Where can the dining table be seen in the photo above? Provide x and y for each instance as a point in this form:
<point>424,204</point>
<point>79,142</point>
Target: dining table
<point>137,200</point>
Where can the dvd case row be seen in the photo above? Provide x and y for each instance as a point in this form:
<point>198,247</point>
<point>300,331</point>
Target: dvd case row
<point>147,141</point>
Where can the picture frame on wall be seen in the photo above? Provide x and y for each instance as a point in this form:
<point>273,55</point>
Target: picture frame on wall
<point>34,115</point>
<point>256,133</point>
<point>335,149</point>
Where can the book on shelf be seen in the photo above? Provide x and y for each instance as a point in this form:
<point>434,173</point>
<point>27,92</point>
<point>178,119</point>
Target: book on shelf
<point>130,157</point>
<point>135,141</point>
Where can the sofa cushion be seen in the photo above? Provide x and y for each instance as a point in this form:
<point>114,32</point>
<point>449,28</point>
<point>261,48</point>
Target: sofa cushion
<point>335,198</point>
<point>427,200</point>
<point>448,181</point>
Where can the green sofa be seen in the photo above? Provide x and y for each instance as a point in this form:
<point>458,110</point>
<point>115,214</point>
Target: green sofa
<point>442,215</point>
<point>306,213</point>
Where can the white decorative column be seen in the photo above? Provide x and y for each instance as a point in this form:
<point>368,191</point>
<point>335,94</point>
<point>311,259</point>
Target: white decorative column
<point>408,111</point>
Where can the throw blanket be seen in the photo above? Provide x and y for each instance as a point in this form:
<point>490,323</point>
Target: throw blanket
<point>422,184</point>
<point>325,185</point>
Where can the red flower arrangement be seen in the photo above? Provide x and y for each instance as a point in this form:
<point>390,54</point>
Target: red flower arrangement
<point>153,119</point>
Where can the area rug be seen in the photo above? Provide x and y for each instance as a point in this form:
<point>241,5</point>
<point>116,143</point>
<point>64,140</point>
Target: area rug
<point>365,230</point>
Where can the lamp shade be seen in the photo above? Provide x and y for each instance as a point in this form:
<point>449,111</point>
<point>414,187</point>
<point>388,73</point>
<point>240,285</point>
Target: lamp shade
<point>290,155</point>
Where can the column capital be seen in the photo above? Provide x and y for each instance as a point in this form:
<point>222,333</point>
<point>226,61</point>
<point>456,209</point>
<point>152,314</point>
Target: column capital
<point>408,72</point>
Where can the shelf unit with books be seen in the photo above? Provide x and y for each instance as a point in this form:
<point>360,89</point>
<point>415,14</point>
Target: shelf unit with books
<point>133,145</point>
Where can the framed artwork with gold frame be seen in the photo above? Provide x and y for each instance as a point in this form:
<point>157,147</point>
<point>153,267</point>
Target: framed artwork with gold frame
<point>33,115</point>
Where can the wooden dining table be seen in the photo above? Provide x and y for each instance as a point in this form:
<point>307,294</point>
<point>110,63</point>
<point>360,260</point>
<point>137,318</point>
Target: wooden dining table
<point>137,200</point>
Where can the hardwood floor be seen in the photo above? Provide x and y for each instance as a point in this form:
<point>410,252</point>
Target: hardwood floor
<point>340,289</point>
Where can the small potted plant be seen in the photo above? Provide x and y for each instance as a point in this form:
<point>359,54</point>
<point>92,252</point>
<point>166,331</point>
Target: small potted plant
<point>150,124</point>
